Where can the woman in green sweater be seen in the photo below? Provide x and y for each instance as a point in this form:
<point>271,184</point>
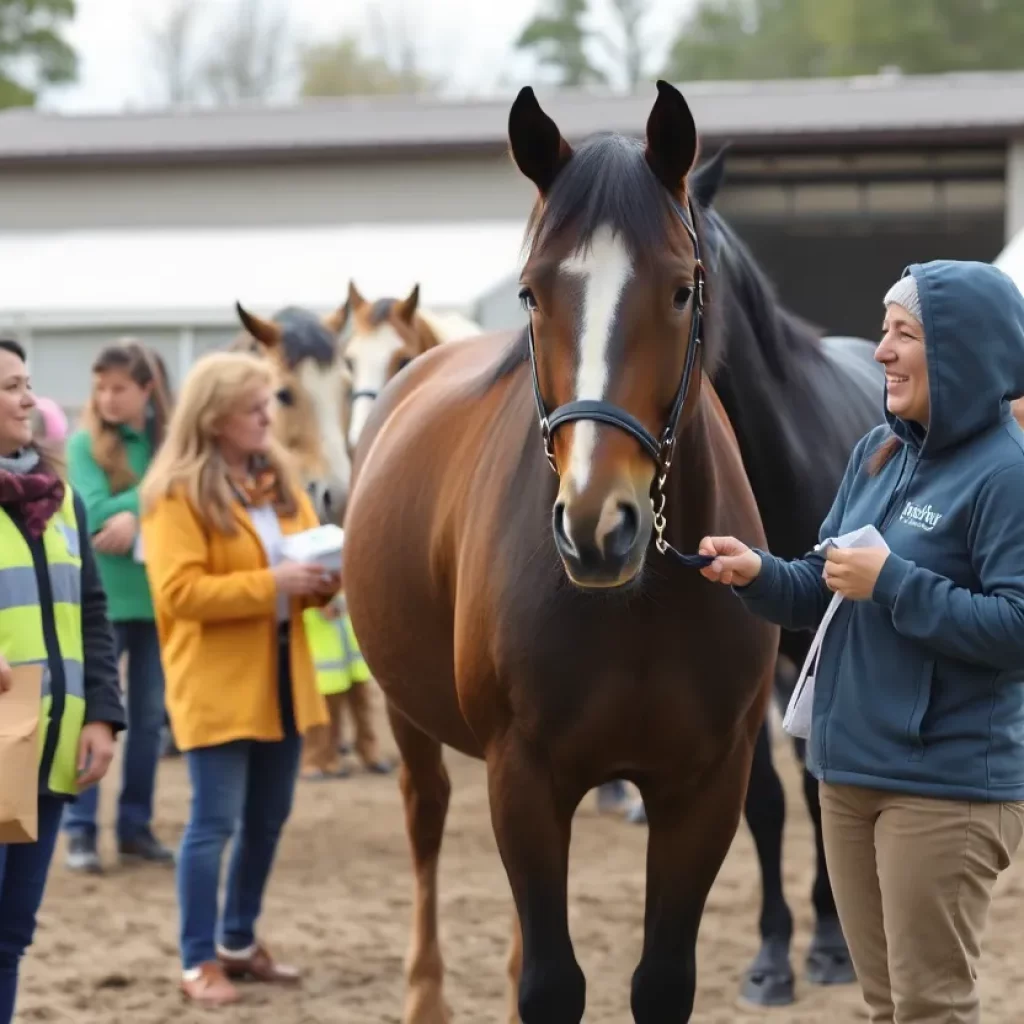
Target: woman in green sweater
<point>122,427</point>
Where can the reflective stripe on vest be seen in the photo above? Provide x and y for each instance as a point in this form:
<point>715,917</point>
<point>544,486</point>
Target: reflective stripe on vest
<point>336,655</point>
<point>21,627</point>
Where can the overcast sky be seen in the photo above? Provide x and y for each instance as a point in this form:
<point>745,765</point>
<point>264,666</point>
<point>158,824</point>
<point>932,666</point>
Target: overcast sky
<point>466,40</point>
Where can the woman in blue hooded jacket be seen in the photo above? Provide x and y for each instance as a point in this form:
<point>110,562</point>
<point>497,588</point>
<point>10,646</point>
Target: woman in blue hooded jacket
<point>917,728</point>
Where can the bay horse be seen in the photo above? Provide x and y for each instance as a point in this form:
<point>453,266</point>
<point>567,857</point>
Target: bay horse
<point>312,396</point>
<point>546,622</point>
<point>798,403</point>
<point>383,337</point>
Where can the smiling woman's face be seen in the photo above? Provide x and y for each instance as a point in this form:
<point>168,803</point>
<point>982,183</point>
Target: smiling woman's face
<point>16,404</point>
<point>903,353</point>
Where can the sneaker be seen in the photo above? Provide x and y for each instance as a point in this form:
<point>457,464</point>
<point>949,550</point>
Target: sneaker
<point>82,855</point>
<point>145,847</point>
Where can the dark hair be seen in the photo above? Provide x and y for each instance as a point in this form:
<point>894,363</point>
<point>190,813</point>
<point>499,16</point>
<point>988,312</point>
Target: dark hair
<point>14,347</point>
<point>883,454</point>
<point>146,369</point>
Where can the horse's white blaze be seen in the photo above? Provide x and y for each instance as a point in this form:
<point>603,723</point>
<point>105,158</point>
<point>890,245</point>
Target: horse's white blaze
<point>604,267</point>
<point>325,387</point>
<point>370,356</point>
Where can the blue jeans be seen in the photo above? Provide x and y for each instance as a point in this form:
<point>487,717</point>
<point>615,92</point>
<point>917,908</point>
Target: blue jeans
<point>242,789</point>
<point>142,739</point>
<point>23,870</point>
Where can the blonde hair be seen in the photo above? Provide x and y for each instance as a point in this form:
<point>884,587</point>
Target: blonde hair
<point>190,463</point>
<point>146,369</point>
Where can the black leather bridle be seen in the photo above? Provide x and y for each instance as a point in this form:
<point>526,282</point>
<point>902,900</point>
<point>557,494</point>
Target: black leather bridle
<point>660,449</point>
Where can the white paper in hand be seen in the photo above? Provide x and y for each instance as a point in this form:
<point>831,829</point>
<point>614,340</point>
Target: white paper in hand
<point>320,546</point>
<point>797,720</point>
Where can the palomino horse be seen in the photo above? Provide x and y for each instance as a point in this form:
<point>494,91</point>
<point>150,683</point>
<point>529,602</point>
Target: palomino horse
<point>545,621</point>
<point>312,392</point>
<point>383,337</point>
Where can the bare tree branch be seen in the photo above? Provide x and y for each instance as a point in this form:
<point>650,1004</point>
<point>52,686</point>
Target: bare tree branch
<point>250,54</point>
<point>171,44</point>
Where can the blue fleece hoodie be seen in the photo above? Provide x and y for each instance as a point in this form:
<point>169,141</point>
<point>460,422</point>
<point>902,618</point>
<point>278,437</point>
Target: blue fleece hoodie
<point>921,689</point>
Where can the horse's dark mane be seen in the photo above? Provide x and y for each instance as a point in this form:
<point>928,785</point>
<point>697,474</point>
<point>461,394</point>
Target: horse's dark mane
<point>303,336</point>
<point>782,338</point>
<point>381,310</point>
<point>606,183</point>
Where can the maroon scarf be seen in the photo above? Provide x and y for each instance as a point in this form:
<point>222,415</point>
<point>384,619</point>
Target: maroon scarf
<point>32,495</point>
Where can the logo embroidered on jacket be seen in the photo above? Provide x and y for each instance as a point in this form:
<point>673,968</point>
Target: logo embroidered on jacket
<point>921,517</point>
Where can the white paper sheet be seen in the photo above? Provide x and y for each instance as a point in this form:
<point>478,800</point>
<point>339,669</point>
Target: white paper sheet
<point>797,720</point>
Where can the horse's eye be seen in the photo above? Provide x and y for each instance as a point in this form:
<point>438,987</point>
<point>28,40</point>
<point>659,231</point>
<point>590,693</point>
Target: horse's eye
<point>527,299</point>
<point>681,297</point>
<point>285,397</point>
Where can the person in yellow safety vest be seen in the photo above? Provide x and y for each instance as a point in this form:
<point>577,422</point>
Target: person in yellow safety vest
<point>53,613</point>
<point>341,675</point>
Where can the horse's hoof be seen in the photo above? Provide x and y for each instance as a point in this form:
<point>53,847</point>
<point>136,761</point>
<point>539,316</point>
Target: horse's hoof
<point>769,979</point>
<point>828,959</point>
<point>637,814</point>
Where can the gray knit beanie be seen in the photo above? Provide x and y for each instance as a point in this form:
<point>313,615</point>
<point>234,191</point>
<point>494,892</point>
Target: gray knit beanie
<point>904,293</point>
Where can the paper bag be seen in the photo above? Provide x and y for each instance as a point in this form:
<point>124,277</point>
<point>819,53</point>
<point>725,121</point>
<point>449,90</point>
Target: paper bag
<point>19,756</point>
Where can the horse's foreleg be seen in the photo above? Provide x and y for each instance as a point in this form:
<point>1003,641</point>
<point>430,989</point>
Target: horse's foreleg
<point>690,832</point>
<point>425,790</point>
<point>532,824</point>
<point>828,958</point>
<point>768,981</point>
<point>515,969</point>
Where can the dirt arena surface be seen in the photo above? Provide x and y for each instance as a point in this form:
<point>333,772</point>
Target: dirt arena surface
<point>339,905</point>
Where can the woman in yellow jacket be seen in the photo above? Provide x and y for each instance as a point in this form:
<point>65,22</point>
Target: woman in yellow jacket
<point>216,503</point>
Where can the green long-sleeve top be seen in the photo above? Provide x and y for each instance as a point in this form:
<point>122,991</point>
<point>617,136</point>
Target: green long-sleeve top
<point>123,578</point>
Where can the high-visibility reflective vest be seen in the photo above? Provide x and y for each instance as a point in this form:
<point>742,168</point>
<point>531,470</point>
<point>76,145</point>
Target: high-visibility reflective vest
<point>336,655</point>
<point>21,630</point>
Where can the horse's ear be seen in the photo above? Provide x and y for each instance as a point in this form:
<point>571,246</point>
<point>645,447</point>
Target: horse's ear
<point>355,298</point>
<point>408,306</point>
<point>671,138</point>
<point>335,322</point>
<point>264,331</point>
<point>536,144</point>
<point>705,182</point>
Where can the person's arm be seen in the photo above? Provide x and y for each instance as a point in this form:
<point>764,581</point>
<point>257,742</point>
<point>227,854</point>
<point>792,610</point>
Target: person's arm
<point>90,483</point>
<point>177,565</point>
<point>985,628</point>
<point>102,686</point>
<point>792,594</point>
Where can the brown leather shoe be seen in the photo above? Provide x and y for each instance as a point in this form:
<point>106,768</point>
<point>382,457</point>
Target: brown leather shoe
<point>209,985</point>
<point>257,965</point>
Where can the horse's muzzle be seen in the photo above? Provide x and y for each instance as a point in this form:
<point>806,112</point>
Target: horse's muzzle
<point>602,548</point>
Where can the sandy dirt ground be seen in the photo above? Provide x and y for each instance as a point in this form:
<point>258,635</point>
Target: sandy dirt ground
<point>339,905</point>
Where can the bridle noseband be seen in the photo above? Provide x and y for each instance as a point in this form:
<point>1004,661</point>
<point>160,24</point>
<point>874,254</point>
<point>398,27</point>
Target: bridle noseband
<point>660,449</point>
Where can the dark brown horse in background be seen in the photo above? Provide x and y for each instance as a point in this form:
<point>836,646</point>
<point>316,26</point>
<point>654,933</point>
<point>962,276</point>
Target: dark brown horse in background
<point>524,616</point>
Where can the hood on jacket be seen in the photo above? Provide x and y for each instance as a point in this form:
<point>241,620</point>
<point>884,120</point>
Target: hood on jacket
<point>973,318</point>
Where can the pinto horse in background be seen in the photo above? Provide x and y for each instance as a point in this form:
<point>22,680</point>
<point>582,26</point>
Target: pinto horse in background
<point>545,621</point>
<point>312,396</point>
<point>799,403</point>
<point>384,337</point>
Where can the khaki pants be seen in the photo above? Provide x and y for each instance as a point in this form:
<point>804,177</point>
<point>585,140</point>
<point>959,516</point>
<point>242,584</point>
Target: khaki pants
<point>913,879</point>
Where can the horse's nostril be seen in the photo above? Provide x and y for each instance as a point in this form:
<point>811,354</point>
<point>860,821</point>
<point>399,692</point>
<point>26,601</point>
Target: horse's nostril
<point>622,538</point>
<point>562,538</point>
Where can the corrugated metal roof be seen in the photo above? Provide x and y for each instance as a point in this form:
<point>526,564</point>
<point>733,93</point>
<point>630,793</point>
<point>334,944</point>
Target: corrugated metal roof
<point>983,105</point>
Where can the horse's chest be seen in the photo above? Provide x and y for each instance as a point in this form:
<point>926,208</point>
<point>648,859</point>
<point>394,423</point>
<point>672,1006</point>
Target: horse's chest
<point>696,653</point>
